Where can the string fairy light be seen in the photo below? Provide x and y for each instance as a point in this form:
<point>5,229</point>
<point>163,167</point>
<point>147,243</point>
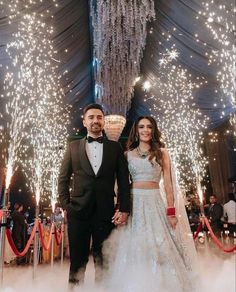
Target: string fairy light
<point>178,118</point>
<point>38,116</point>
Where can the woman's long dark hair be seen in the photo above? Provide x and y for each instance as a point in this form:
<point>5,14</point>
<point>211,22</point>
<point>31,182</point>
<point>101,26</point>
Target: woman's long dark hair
<point>156,142</point>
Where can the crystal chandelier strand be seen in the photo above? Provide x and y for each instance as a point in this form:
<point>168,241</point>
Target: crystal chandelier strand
<point>119,40</point>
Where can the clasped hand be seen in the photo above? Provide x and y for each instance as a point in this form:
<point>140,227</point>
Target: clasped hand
<point>120,218</point>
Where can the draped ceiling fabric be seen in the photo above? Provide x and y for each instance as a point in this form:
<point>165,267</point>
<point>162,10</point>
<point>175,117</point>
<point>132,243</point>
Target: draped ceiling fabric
<point>72,25</point>
<point>71,40</point>
<point>220,154</point>
<point>181,16</point>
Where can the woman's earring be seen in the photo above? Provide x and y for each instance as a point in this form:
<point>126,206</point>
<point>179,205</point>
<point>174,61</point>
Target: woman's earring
<point>136,138</point>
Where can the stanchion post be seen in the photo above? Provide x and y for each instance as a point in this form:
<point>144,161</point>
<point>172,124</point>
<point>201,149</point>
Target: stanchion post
<point>221,237</point>
<point>227,238</point>
<point>202,220</point>
<point>36,240</point>
<point>52,244</point>
<point>3,231</point>
<point>2,242</point>
<point>62,243</point>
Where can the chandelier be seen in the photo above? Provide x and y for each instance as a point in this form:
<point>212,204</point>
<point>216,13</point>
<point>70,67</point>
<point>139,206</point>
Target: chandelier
<point>114,125</point>
<point>119,38</point>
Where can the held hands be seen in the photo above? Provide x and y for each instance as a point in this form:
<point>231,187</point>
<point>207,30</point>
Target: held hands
<point>120,218</point>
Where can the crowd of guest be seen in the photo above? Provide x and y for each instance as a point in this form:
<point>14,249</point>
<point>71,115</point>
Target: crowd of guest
<point>221,216</point>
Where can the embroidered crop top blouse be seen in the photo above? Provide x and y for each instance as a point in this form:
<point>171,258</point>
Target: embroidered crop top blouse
<point>141,169</point>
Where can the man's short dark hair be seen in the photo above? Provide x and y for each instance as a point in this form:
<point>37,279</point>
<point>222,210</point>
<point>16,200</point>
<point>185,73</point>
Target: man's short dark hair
<point>93,106</point>
<point>17,206</point>
<point>231,196</point>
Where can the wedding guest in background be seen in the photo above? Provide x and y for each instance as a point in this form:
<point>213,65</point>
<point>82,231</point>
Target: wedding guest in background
<point>214,213</point>
<point>19,230</point>
<point>230,213</point>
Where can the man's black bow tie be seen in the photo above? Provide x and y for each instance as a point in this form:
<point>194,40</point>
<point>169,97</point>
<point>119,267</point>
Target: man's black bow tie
<point>91,139</point>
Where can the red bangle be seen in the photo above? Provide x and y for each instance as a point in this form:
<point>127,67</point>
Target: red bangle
<point>170,211</point>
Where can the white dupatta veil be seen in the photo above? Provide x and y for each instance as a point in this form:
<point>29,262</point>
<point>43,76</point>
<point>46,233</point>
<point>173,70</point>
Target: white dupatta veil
<point>183,232</point>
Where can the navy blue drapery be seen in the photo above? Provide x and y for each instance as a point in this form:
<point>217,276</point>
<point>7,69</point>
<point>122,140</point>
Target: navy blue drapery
<point>73,32</point>
<point>71,40</point>
<point>181,16</point>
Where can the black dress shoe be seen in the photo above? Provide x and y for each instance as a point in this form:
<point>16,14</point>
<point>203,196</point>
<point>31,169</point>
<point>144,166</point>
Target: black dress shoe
<point>73,281</point>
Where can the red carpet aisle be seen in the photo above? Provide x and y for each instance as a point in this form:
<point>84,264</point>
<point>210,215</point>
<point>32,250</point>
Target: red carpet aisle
<point>217,269</point>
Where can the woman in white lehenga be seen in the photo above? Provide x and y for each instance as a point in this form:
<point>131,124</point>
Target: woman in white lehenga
<point>155,250</point>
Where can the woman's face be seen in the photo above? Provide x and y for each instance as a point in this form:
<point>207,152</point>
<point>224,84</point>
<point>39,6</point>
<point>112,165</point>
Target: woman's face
<point>145,130</point>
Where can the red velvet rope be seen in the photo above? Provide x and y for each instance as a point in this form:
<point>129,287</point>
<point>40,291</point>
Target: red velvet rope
<point>216,240</point>
<point>58,238</point>
<point>1,214</point>
<point>199,228</point>
<point>44,245</point>
<point>12,244</point>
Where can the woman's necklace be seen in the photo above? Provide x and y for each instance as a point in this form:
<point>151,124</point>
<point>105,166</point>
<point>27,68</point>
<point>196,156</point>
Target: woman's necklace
<point>142,154</point>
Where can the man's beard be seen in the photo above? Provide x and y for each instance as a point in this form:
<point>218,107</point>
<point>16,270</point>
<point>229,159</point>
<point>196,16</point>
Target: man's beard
<point>96,128</point>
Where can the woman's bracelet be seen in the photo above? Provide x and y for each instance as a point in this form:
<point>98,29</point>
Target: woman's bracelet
<point>170,211</point>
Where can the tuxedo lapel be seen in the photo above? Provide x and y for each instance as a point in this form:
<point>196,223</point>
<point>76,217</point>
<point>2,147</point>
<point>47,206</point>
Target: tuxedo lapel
<point>83,158</point>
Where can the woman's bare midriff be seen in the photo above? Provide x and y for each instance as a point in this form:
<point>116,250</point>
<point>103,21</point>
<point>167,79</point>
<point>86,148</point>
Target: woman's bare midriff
<point>145,185</point>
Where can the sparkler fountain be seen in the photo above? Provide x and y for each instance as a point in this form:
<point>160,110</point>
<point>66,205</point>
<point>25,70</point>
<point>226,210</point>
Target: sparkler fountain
<point>178,118</point>
<point>38,118</point>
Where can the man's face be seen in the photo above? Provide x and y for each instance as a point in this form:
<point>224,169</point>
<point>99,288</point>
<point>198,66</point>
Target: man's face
<point>212,199</point>
<point>94,122</point>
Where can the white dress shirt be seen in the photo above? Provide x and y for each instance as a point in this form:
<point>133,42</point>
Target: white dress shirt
<point>230,210</point>
<point>94,152</point>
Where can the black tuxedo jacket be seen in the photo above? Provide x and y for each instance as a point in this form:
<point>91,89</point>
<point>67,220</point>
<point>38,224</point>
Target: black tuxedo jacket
<point>93,194</point>
<point>215,214</point>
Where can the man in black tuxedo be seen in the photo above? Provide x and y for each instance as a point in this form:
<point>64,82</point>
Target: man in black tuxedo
<point>214,214</point>
<point>95,163</point>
